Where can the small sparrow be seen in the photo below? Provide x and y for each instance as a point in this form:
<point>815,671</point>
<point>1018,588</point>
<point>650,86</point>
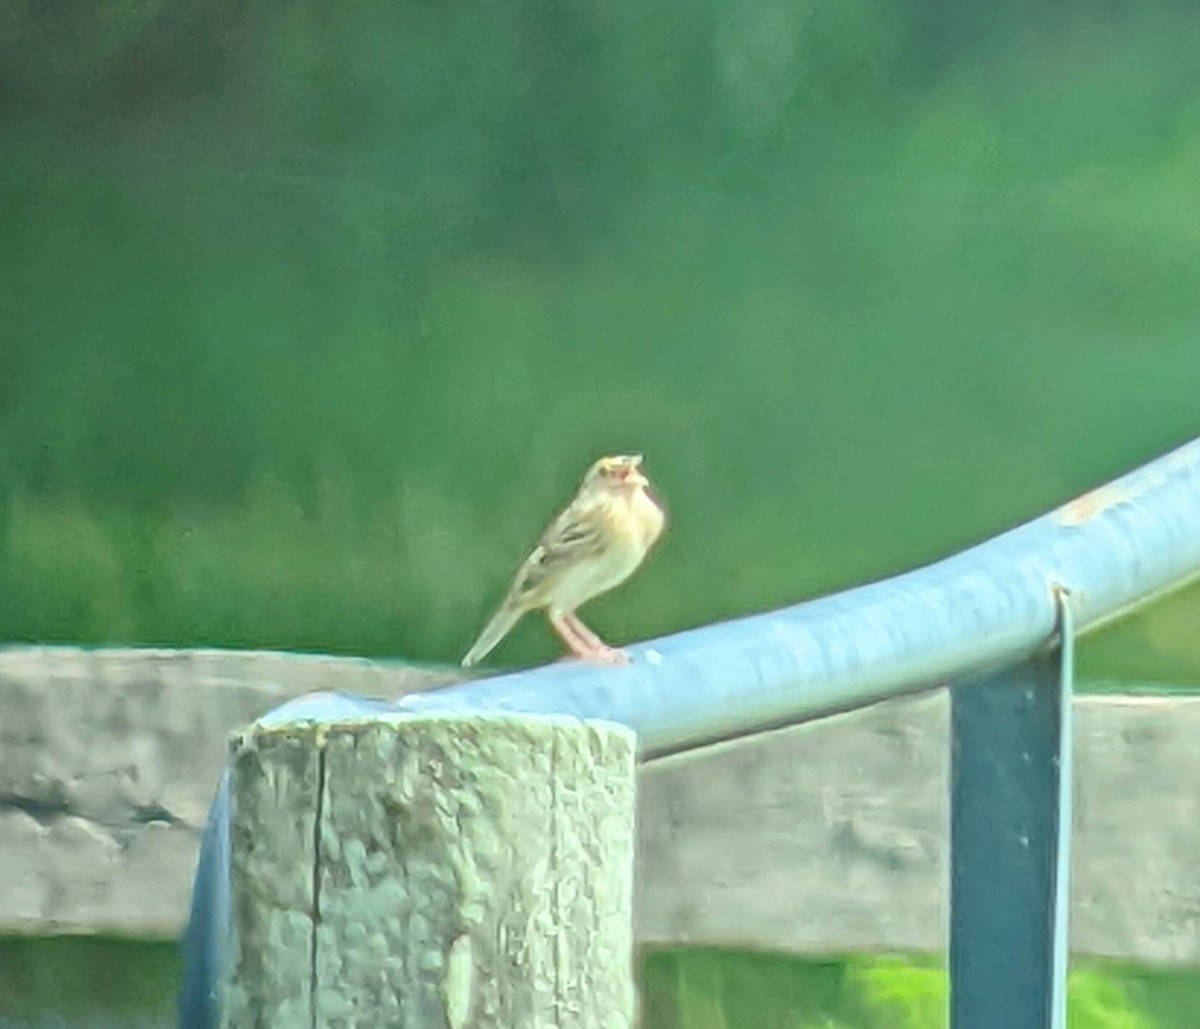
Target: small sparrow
<point>595,544</point>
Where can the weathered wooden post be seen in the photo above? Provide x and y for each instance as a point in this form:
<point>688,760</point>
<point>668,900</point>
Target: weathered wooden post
<point>432,872</point>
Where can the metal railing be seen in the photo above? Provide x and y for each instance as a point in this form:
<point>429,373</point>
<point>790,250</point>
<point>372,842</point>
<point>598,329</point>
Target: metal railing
<point>996,623</point>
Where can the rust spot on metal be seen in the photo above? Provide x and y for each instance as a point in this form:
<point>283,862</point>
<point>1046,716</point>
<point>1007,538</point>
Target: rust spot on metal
<point>1086,507</point>
<point>1092,503</point>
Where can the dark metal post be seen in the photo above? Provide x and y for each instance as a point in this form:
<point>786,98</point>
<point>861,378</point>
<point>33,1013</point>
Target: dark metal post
<point>1010,795</point>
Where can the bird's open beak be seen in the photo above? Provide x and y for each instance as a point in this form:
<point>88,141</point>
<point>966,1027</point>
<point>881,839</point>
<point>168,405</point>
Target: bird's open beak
<point>633,472</point>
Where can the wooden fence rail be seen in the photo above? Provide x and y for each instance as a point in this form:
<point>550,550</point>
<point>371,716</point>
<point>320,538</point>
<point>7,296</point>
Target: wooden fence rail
<point>823,838</point>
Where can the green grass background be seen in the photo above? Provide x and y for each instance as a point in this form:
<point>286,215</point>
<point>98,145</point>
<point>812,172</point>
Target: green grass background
<point>311,320</point>
<point>104,983</point>
<point>311,315</point>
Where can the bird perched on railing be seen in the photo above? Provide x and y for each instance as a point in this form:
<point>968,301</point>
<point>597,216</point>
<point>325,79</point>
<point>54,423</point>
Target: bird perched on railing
<point>596,543</point>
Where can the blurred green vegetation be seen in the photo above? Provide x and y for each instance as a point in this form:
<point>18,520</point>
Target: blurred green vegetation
<point>87,982</point>
<point>312,315</point>
<point>697,989</point>
<point>103,983</point>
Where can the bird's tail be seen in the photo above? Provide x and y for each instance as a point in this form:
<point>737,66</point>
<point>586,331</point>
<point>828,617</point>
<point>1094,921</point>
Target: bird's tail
<point>495,630</point>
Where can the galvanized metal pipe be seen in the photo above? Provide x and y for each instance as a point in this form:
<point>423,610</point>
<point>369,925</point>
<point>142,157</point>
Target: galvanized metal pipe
<point>1113,548</point>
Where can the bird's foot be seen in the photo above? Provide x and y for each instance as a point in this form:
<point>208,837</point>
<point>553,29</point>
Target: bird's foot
<point>584,643</point>
<point>606,655</point>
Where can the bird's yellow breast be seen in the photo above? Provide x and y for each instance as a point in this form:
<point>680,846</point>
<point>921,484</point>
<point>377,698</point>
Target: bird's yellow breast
<point>628,526</point>
<point>636,521</point>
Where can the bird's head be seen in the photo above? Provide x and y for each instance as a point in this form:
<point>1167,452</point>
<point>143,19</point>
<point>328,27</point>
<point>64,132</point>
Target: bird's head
<point>623,471</point>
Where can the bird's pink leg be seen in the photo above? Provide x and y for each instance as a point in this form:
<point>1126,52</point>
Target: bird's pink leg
<point>582,631</point>
<point>599,650</point>
<point>584,643</point>
<point>566,632</point>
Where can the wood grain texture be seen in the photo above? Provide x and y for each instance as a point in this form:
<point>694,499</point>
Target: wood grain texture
<point>825,838</point>
<point>832,837</point>
<point>470,872</point>
<point>276,785</point>
<point>1136,868</point>
<point>109,760</point>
